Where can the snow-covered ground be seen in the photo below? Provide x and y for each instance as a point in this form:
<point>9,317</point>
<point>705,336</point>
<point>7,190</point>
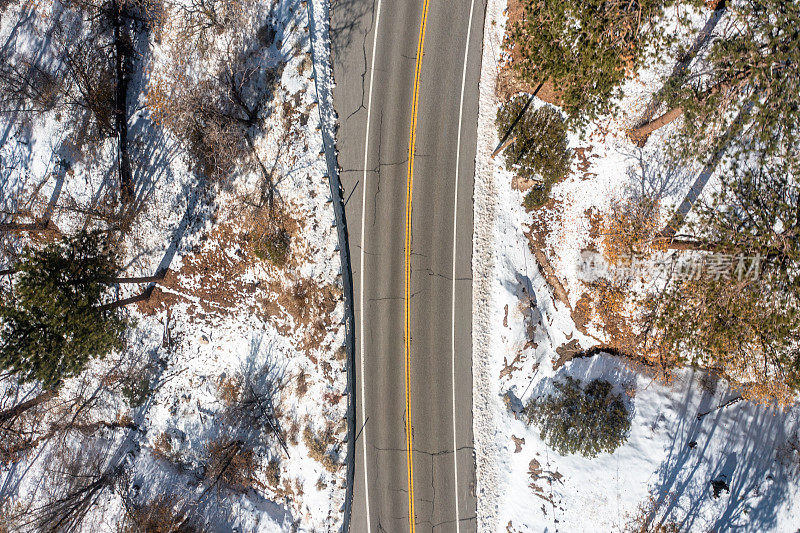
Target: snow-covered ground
<point>524,330</point>
<point>230,350</point>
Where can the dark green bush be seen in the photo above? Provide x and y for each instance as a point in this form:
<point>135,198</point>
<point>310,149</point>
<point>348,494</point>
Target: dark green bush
<point>273,247</point>
<point>586,420</point>
<point>539,151</point>
<point>136,389</point>
<point>536,197</point>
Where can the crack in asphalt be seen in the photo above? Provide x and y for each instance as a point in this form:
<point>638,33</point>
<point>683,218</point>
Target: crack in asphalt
<point>350,26</point>
<point>377,172</point>
<point>384,298</point>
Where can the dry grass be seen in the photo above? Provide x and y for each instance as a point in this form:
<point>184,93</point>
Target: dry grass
<point>644,519</point>
<point>610,302</point>
<point>583,312</point>
<point>341,354</point>
<point>229,390</point>
<point>293,433</point>
<point>318,449</point>
<point>213,277</point>
<point>272,474</point>
<point>229,462</point>
<point>6,513</point>
<point>270,234</point>
<point>301,385</point>
<point>162,515</point>
<point>311,306</point>
<point>162,448</point>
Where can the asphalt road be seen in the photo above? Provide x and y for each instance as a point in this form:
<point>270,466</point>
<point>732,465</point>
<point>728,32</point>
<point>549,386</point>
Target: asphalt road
<point>375,50</point>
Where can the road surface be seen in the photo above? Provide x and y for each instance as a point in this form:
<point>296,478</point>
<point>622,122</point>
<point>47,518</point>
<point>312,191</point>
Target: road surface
<point>407,74</point>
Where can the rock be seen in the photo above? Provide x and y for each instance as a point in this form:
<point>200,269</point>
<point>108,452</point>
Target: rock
<point>718,485</point>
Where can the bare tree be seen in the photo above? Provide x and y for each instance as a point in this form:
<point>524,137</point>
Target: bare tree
<point>80,473</point>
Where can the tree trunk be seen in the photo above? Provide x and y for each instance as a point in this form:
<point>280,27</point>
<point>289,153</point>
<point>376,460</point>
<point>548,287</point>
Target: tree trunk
<point>690,245</point>
<point>639,135</point>
<point>267,186</point>
<point>9,227</point>
<point>127,301</point>
<point>142,279</point>
<point>735,399</point>
<point>767,253</point>
<point>702,179</point>
<point>507,138</point>
<point>503,146</point>
<point>682,65</point>
<point>39,399</point>
<point>122,49</point>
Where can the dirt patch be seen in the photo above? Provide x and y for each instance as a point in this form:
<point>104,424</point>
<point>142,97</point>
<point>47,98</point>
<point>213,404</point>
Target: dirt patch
<point>583,157</point>
<point>211,278</point>
<point>509,85</point>
<point>539,475</point>
<point>566,352</point>
<point>522,184</point>
<point>509,369</point>
<point>537,243</point>
<point>311,307</point>
<point>582,314</point>
<point>225,276</point>
<point>609,306</point>
<point>595,227</point>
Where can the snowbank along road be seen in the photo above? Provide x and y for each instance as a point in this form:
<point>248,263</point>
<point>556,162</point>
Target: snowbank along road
<point>407,91</point>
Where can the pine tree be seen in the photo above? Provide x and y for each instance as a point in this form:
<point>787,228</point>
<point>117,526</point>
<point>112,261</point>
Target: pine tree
<point>748,327</point>
<point>51,320</point>
<point>586,48</point>
<point>754,65</point>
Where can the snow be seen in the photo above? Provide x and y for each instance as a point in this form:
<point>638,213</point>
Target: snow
<point>219,316</point>
<point>670,457</point>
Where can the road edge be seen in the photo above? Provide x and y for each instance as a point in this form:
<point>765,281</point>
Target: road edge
<point>319,37</point>
<point>483,260</point>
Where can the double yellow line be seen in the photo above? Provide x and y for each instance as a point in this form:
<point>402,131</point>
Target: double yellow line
<point>409,188</point>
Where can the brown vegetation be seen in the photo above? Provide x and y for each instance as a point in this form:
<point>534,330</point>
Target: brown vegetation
<point>164,514</point>
<point>229,462</point>
<point>629,229</point>
<point>318,449</point>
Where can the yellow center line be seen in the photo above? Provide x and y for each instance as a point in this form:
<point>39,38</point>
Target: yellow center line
<point>409,187</point>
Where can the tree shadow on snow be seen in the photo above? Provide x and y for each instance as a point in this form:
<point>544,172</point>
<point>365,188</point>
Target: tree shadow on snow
<point>736,447</point>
